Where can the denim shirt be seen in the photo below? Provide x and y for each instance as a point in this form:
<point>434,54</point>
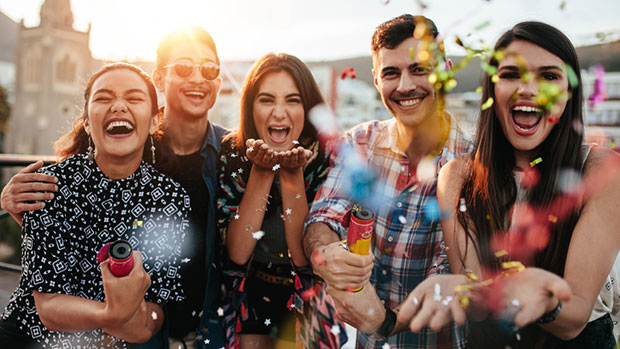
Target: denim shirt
<point>210,324</point>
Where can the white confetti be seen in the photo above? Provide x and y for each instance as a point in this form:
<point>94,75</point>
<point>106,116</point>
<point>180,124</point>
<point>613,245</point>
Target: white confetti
<point>251,149</point>
<point>154,316</point>
<point>296,142</point>
<point>415,300</point>
<point>385,346</point>
<point>258,234</point>
<point>233,155</point>
<point>275,167</point>
<point>371,312</point>
<point>240,170</point>
<point>335,330</point>
<point>427,170</point>
<point>298,196</point>
<point>402,219</point>
<point>220,311</point>
<point>237,216</point>
<point>185,260</point>
<point>437,295</point>
<point>447,300</point>
<point>515,303</point>
<point>267,322</point>
<point>207,341</point>
<point>288,211</point>
<point>233,175</point>
<point>462,206</point>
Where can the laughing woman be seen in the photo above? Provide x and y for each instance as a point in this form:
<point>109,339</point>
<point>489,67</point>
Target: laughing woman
<point>270,169</point>
<point>532,192</point>
<point>106,193</point>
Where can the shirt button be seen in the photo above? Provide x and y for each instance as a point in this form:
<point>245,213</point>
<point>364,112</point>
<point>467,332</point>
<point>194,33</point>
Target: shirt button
<point>399,205</point>
<point>390,238</point>
<point>384,272</point>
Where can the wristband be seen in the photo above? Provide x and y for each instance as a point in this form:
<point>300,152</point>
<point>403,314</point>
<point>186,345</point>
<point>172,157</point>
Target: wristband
<point>550,316</point>
<point>387,326</point>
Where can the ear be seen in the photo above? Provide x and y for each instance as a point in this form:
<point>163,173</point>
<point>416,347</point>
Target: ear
<point>218,84</point>
<point>375,79</point>
<point>158,79</point>
<point>154,124</point>
<point>87,126</point>
<point>448,64</point>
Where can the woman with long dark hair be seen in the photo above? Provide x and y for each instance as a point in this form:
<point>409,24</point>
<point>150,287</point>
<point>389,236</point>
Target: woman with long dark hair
<point>531,193</point>
<point>270,170</point>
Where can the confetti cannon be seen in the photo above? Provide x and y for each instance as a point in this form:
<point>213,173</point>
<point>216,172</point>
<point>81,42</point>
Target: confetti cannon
<point>120,255</point>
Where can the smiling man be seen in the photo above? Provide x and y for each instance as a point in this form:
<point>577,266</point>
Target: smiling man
<point>406,246</point>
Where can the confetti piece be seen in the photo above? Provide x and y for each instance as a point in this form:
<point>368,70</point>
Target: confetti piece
<point>600,91</point>
<point>553,219</point>
<point>426,170</point>
<point>553,120</point>
<point>412,53</point>
<point>137,223</point>
<point>500,254</point>
<point>233,155</point>
<point>258,234</point>
<point>281,255</point>
<point>236,216</point>
<point>275,167</point>
<point>402,219</point>
<point>415,300</point>
<point>515,303</point>
<point>185,260</point>
<point>298,196</point>
<point>486,105</point>
<point>536,161</point>
<point>251,149</point>
<point>437,294</point>
<point>335,330</point>
<point>154,316</point>
<point>240,170</point>
<point>288,211</point>
<point>318,259</point>
<point>207,341</point>
<point>371,312</point>
<point>385,346</point>
<point>267,322</point>
<point>220,311</point>
<point>296,142</point>
<point>462,206</point>
<point>447,300</point>
<point>350,72</point>
<point>478,90</point>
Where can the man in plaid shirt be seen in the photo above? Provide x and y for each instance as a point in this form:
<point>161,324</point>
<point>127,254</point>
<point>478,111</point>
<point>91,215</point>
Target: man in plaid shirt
<point>406,153</point>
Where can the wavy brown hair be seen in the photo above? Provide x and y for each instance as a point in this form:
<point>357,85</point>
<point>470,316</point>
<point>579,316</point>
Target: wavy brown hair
<point>308,89</point>
<point>76,140</point>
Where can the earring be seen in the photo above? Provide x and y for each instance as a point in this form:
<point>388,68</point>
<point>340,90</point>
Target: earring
<point>91,153</point>
<point>152,150</point>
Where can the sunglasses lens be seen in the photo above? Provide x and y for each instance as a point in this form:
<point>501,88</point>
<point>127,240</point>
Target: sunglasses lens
<point>183,69</point>
<point>210,71</point>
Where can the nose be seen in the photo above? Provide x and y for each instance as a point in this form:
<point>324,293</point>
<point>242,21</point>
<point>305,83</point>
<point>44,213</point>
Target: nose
<point>279,111</point>
<point>118,106</point>
<point>196,76</point>
<point>528,88</point>
<point>406,83</point>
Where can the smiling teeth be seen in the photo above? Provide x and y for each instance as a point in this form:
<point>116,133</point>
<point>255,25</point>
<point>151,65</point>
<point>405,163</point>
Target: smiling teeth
<point>409,102</point>
<point>526,109</point>
<point>195,93</point>
<point>114,124</point>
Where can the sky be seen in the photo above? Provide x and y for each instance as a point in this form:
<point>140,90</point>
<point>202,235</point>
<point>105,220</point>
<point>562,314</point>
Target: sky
<point>312,29</point>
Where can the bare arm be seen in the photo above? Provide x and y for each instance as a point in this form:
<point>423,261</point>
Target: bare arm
<point>294,201</point>
<point>124,296</point>
<point>26,191</point>
<point>251,212</point>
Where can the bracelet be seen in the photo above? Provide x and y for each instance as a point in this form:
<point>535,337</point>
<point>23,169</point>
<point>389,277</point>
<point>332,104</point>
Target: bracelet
<point>550,316</point>
<point>387,326</point>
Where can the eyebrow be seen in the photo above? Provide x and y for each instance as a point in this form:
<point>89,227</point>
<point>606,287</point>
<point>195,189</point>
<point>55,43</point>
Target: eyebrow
<point>409,67</point>
<point>202,60</point>
<point>543,68</point>
<point>267,94</point>
<point>133,90</point>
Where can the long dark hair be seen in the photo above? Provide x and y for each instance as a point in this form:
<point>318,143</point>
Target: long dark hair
<point>490,189</point>
<point>76,140</point>
<point>307,86</point>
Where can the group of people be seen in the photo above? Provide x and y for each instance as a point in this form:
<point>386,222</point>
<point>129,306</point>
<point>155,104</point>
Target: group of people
<point>237,235</point>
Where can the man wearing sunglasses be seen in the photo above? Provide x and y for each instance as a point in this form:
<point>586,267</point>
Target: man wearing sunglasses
<point>187,75</point>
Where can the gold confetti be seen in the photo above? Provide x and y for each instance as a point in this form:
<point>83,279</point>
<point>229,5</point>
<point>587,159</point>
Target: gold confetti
<point>536,162</point>
<point>487,104</point>
<point>552,218</point>
<point>137,223</point>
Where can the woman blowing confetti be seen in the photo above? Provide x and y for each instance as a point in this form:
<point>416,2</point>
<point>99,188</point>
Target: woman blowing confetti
<point>270,169</point>
<point>531,194</point>
<point>65,298</point>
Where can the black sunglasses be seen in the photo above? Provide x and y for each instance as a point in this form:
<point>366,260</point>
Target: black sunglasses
<point>185,68</point>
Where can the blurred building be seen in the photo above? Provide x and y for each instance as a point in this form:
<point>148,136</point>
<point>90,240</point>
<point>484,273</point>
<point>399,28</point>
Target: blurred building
<point>52,62</point>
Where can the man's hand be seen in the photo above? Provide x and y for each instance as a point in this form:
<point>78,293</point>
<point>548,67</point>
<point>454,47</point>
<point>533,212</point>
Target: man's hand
<point>124,295</point>
<point>433,303</point>
<point>340,268</point>
<point>25,191</point>
<point>362,310</point>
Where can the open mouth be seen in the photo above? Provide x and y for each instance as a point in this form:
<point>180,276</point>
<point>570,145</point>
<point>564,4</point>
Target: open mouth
<point>526,118</point>
<point>279,134</point>
<point>119,128</point>
<point>194,94</point>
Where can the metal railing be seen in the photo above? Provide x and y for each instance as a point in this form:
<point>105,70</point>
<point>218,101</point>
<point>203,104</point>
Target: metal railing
<point>12,160</point>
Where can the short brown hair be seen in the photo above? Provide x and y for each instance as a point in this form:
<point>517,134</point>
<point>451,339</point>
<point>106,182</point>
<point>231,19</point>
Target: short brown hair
<point>191,34</point>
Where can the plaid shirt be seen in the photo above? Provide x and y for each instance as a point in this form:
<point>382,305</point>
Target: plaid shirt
<point>408,241</point>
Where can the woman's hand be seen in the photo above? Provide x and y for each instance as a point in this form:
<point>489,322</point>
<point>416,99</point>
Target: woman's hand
<point>123,295</point>
<point>260,153</point>
<point>294,158</point>
<point>433,303</point>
